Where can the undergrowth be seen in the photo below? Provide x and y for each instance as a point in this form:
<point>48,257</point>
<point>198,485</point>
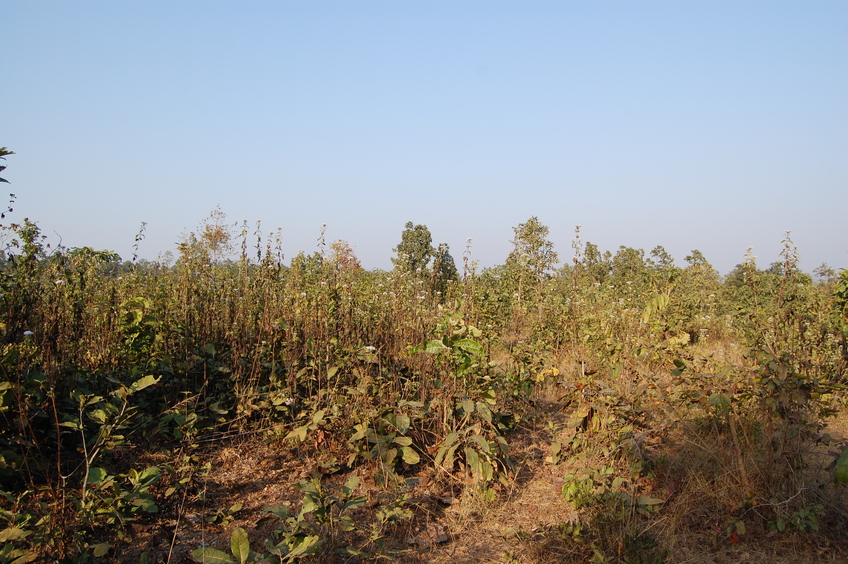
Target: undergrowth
<point>696,404</point>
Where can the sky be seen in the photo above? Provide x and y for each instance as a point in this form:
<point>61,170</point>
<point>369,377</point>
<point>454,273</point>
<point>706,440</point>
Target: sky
<point>711,125</point>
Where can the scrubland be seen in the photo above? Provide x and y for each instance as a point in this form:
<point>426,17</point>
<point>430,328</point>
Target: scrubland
<point>234,406</point>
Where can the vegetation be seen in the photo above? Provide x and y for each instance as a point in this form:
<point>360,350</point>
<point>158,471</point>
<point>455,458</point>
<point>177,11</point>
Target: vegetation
<point>684,413</point>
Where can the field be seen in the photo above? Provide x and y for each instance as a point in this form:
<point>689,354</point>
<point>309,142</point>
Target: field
<point>232,406</point>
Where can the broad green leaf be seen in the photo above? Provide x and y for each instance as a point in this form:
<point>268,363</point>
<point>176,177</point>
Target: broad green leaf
<point>445,457</point>
<point>388,456</point>
<point>467,405</point>
<point>472,459</point>
<point>98,415</point>
<point>23,556</point>
<point>403,441</point>
<point>486,470</point>
<point>309,504</point>
<point>361,429</point>
<point>13,533</point>
<point>484,410</point>
<point>450,439</point>
<point>146,504</point>
<point>720,401</point>
<point>240,545</point>
<point>147,477</point>
<point>209,555</point>
<point>435,347</point>
<point>481,442</point>
<point>402,422</point>
<point>410,456</point>
<point>96,475</point>
<point>350,485</point>
<point>299,433</point>
<point>353,502</point>
<point>841,475</point>
<point>648,500</point>
<point>101,549</point>
<point>142,383</point>
<point>305,546</point>
<point>469,346</point>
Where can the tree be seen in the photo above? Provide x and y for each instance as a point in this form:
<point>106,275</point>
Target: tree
<point>532,251</point>
<point>415,249</point>
<point>443,272</point>
<point>531,259</point>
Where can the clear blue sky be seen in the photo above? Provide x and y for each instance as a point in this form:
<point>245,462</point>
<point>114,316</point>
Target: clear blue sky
<point>712,125</point>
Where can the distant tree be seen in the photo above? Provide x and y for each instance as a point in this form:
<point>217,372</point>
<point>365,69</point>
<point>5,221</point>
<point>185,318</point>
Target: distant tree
<point>628,268</point>
<point>214,243</point>
<point>443,272</point>
<point>531,259</point>
<point>532,251</point>
<point>824,273</point>
<point>415,249</point>
<point>343,259</point>
<point>664,272</point>
<point>597,265</point>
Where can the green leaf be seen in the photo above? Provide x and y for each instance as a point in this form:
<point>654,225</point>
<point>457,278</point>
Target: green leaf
<point>25,556</point>
<point>101,549</point>
<point>402,423</point>
<point>351,485</point>
<point>209,555</point>
<point>481,442</point>
<point>13,533</point>
<point>361,430</point>
<point>720,401</point>
<point>410,456</point>
<point>96,475</point>
<point>240,545</point>
<point>469,347</point>
<point>299,433</point>
<point>142,383</point>
<point>841,475</point>
<point>305,546</point>
<point>435,347</point>
<point>484,410</point>
<point>647,500</point>
<point>146,505</point>
<point>472,459</point>
<point>467,405</point>
<point>403,441</point>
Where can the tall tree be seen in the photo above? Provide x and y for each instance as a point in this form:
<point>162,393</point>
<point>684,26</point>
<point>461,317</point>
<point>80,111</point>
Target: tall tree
<point>532,251</point>
<point>415,249</point>
<point>443,272</point>
<point>531,259</point>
